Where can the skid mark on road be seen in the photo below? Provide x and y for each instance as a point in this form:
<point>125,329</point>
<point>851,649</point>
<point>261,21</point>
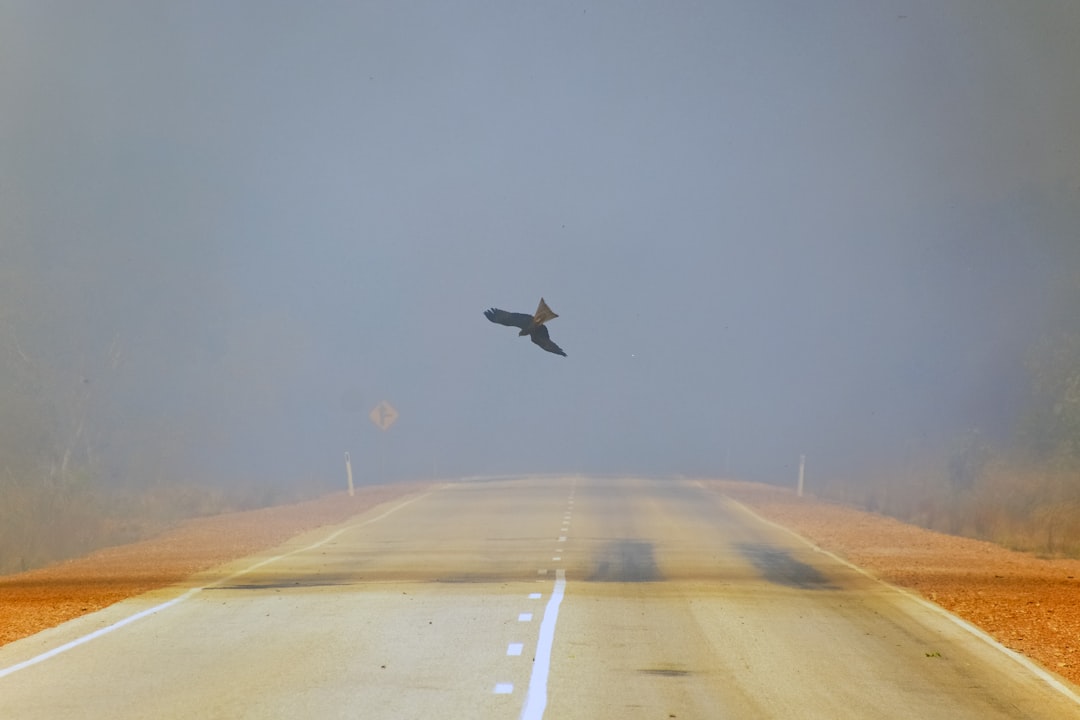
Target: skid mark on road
<point>193,591</point>
<point>778,566</point>
<point>625,561</point>
<point>1028,664</point>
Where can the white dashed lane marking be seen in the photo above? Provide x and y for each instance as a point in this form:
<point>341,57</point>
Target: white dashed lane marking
<point>536,699</point>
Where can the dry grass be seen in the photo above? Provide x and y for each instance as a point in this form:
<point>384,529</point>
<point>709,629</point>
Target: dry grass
<point>1034,508</point>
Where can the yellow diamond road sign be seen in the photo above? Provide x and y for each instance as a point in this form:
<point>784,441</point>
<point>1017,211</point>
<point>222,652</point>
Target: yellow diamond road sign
<point>383,415</point>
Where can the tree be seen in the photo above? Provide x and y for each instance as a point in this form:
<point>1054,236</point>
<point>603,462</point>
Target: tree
<point>1050,428</point>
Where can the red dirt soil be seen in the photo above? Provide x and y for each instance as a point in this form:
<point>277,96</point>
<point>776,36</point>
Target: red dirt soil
<point>1029,604</point>
<point>38,599</point>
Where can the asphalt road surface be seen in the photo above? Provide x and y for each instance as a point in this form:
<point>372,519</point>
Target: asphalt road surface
<point>558,598</point>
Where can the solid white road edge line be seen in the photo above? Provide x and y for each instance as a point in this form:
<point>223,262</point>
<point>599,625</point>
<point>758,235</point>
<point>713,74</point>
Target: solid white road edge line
<point>536,700</point>
<point>97,633</point>
<point>177,600</point>
<point>1029,665</point>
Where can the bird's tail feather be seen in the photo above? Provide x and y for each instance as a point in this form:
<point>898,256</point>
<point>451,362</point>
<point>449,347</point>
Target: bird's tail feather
<point>543,313</point>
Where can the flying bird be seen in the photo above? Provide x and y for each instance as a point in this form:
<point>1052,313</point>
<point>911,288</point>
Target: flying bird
<point>531,325</point>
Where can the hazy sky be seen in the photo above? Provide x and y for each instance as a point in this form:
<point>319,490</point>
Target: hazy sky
<point>768,228</point>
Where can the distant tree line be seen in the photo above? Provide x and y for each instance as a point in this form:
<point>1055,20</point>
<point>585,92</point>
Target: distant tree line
<point>1023,493</point>
<point>97,427</point>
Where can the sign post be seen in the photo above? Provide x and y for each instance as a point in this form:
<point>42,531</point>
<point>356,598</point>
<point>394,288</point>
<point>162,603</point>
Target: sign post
<point>383,415</point>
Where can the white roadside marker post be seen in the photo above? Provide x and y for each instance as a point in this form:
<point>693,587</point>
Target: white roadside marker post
<point>802,469</point>
<point>348,473</point>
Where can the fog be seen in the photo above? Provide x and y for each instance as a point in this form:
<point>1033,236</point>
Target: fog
<point>229,230</point>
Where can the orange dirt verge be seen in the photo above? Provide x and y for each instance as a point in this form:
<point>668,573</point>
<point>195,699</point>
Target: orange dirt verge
<point>38,599</point>
<point>1029,604</point>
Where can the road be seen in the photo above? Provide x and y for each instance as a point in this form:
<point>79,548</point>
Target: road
<point>558,598</point>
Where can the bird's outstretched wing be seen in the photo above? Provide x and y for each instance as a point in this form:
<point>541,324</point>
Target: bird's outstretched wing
<point>540,336</point>
<point>518,320</point>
